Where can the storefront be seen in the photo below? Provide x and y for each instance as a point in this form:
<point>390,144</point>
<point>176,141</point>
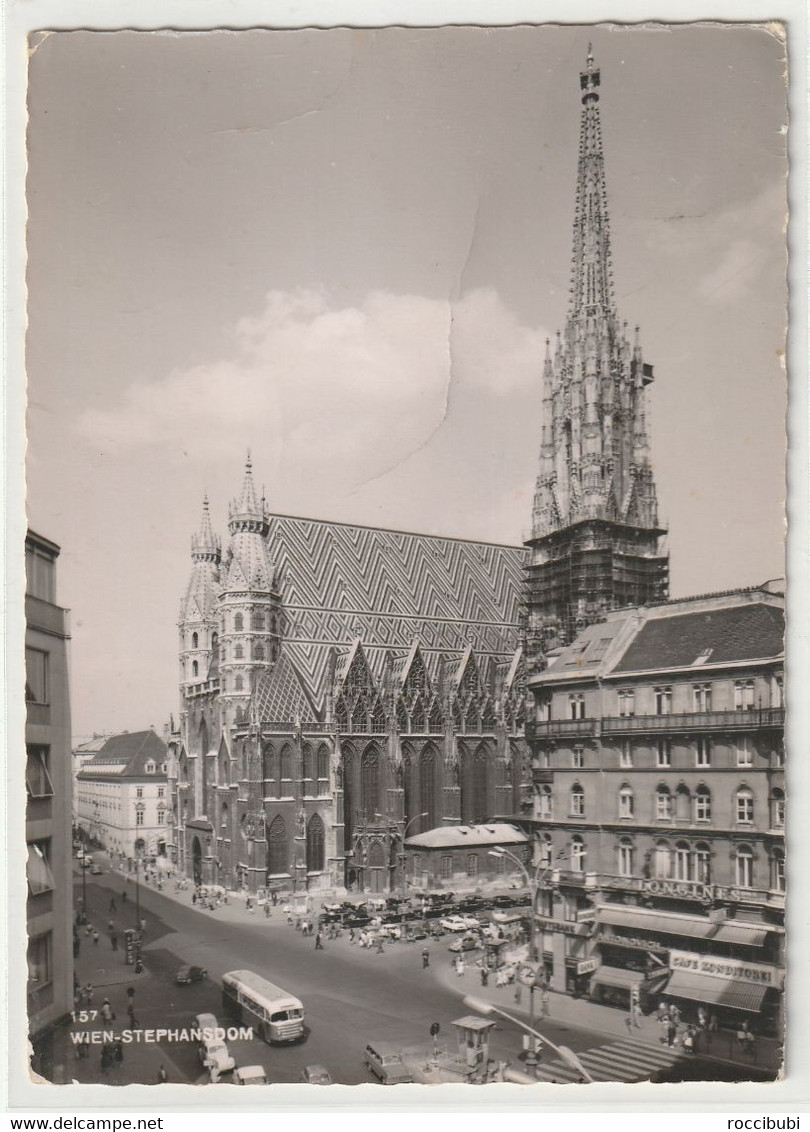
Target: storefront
<point>733,990</point>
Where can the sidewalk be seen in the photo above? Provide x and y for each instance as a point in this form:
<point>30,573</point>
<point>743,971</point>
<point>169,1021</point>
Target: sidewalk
<point>607,1020</point>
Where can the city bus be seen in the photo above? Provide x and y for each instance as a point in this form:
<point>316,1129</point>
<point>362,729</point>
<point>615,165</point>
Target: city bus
<point>275,1015</point>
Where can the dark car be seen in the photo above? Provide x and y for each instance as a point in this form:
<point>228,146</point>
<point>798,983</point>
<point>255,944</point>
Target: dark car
<point>95,870</point>
<point>356,920</point>
<point>504,901</point>
<point>189,974</point>
<point>471,903</point>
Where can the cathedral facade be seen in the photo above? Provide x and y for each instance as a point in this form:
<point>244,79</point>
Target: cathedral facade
<point>341,688</point>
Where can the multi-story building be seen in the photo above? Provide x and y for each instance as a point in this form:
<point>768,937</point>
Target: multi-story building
<point>658,762</point>
<point>82,754</point>
<point>48,811</point>
<point>341,686</point>
<point>123,795</point>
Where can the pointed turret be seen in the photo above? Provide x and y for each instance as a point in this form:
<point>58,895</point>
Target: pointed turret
<point>198,612</point>
<point>205,545</point>
<point>595,530</point>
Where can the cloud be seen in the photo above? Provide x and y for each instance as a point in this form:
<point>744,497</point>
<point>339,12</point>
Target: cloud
<point>323,389</point>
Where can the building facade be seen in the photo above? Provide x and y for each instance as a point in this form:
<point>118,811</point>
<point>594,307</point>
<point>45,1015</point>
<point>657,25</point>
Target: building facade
<point>596,539</point>
<point>49,798</point>
<point>467,857</point>
<point>340,687</point>
<point>122,796</point>
<point>658,762</point>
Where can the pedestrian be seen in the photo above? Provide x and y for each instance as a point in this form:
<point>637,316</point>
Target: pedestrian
<point>380,948</point>
<point>351,935</point>
<point>118,1050</point>
<point>662,1010</point>
<point>545,1003</point>
<point>112,905</point>
<point>689,1041</point>
<point>130,998</point>
<point>106,1057</point>
<point>107,1011</point>
<point>318,942</point>
<point>425,958</point>
<point>193,901</point>
<point>517,992</point>
<point>629,1023</point>
<point>110,925</point>
<point>133,1021</point>
<point>637,1015</point>
<point>484,976</point>
<point>88,930</point>
<point>124,896</point>
<point>163,1076</point>
<point>460,967</point>
<point>289,919</point>
<point>114,941</point>
<point>142,925</point>
<point>95,938</point>
<point>675,1014</point>
<point>267,912</point>
<point>88,994</point>
<point>672,1032</point>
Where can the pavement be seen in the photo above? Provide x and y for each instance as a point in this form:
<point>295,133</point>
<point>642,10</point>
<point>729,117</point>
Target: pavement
<point>381,995</point>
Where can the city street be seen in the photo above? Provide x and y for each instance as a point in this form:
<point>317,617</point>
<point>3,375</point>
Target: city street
<point>351,996</point>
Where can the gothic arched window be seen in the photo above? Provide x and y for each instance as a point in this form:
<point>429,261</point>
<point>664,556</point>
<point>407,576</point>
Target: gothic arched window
<point>238,684</point>
<point>370,782</point>
<point>195,668</point>
<point>428,784</point>
<point>322,769</point>
<point>308,768</point>
<point>238,623</point>
<point>195,641</point>
<point>286,763</point>
<point>277,847</point>
<point>258,651</point>
<point>315,845</point>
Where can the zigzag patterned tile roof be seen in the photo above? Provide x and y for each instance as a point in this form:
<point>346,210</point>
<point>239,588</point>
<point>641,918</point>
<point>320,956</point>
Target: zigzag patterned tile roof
<point>340,582</point>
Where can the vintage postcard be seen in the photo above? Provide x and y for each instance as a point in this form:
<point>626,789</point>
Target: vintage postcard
<point>405,580</point>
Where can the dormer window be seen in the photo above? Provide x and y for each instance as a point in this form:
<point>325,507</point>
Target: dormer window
<point>150,767</point>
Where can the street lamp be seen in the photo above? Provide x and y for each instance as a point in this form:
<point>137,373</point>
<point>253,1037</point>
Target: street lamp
<point>482,1006</point>
<point>534,883</point>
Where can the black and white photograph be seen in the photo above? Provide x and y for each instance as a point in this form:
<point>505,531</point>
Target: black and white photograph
<point>405,557</point>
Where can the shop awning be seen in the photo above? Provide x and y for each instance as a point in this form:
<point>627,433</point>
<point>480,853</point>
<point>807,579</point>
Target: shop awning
<point>696,927</point>
<point>718,992</point>
<point>617,977</point>
<point>750,936</point>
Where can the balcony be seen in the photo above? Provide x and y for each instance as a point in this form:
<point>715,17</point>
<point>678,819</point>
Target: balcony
<point>696,721</point>
<point>46,617</point>
<point>560,729</point>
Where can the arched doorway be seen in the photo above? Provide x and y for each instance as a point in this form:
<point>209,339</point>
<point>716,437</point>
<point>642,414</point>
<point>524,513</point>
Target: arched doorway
<point>376,873</point>
<point>196,857</point>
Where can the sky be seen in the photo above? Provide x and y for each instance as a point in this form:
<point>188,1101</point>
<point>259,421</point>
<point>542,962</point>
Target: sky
<point>344,250</point>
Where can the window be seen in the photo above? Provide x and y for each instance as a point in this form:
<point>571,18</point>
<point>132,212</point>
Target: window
<point>160,816</point>
<point>663,804</point>
<point>315,849</point>
<point>577,855</point>
<point>36,676</point>
<point>323,769</point>
<point>238,623</point>
<point>195,641</point>
<point>544,807</point>
<point>777,809</point>
<point>663,700</point>
<point>777,692</point>
<point>543,709</point>
<point>577,801</point>
<point>663,860</point>
<point>576,707</point>
<point>703,857</point>
<point>703,804</point>
<point>500,865</point>
<point>682,861</point>
<point>139,817</point>
<point>745,756</point>
<point>664,752</point>
<point>160,789</point>
<point>447,867</point>
<point>778,871</point>
<point>625,754</point>
<point>39,962</point>
<point>139,792</point>
<point>743,695</point>
<point>745,806</point>
<point>257,622</point>
<point>625,858</point>
<point>627,701</point>
<point>238,684</point>
<point>703,752</point>
<point>701,697</point>
<point>40,877</point>
<point>258,651</point>
<point>37,774</point>
<point>626,802</point>
<point>578,757</point>
<point>472,864</point>
<point>150,768</point>
<point>238,652</point>
<point>744,871</point>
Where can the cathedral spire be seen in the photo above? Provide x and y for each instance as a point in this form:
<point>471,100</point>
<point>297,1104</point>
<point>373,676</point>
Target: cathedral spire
<point>591,270</point>
<point>247,513</point>
<point>205,545</point>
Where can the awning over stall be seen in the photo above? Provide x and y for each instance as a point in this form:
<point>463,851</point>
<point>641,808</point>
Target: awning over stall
<point>618,977</point>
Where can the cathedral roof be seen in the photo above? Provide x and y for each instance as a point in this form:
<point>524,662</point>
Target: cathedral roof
<point>280,695</point>
<point>340,582</point>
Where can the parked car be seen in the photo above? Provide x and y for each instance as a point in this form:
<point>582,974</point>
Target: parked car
<point>503,901</point>
<point>385,1062</point>
<point>189,974</point>
<point>96,870</point>
<point>356,920</point>
<point>466,943</point>
<point>316,1075</point>
<point>415,931</point>
<point>205,1022</point>
<point>471,903</point>
<point>453,924</point>
<point>250,1075</point>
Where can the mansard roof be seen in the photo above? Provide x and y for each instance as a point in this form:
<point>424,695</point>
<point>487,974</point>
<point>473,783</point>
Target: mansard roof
<point>751,631</point>
<point>126,756</point>
<point>339,582</point>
